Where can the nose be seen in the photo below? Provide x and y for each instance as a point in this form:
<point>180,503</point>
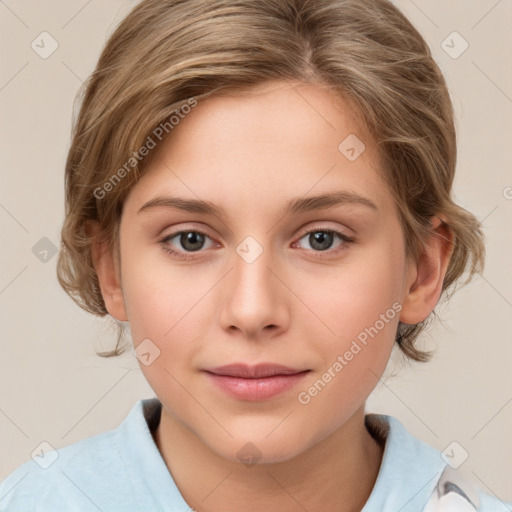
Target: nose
<point>255,300</point>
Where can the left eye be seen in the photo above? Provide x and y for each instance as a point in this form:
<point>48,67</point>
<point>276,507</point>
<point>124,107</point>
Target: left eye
<point>322,239</point>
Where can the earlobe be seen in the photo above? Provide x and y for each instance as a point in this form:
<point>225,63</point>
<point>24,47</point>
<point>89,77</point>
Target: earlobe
<point>109,279</point>
<point>426,287</point>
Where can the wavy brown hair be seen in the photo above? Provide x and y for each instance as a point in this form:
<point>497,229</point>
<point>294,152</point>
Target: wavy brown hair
<point>166,52</point>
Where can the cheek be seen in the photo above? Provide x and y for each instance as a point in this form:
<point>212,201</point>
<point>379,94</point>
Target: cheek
<point>357,312</point>
<point>356,293</point>
<point>157,293</point>
<point>163,305</point>
<point>362,311</point>
<point>166,308</point>
<point>170,312</point>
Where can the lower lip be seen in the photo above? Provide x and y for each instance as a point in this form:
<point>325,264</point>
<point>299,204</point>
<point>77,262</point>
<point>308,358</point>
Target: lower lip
<point>256,389</point>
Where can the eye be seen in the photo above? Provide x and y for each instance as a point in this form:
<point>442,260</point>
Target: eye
<point>189,240</point>
<point>321,240</point>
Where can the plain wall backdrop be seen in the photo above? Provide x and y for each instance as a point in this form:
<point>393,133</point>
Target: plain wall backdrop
<point>54,388</point>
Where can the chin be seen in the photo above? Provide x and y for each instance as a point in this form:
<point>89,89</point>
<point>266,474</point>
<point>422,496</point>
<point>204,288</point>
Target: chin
<point>258,450</point>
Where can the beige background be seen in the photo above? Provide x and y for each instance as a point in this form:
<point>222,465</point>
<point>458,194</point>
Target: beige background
<point>53,386</point>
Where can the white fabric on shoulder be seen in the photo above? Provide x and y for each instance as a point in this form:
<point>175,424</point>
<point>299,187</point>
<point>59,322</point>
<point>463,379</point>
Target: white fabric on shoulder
<point>454,492</point>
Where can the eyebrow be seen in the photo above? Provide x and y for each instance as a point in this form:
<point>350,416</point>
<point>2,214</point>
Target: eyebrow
<point>295,205</point>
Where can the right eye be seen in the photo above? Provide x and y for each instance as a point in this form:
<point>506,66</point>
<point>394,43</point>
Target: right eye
<point>190,240</point>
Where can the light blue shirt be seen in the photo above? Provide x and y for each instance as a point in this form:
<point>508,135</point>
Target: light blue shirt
<point>122,470</point>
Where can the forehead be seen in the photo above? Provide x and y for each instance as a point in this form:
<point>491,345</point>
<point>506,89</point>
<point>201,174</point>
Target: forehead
<point>291,110</point>
<point>267,143</point>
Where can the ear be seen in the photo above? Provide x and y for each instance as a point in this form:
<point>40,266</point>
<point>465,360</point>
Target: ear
<point>426,277</point>
<point>109,278</point>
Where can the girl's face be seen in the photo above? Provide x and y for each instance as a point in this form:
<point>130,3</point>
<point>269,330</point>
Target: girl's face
<point>240,262</point>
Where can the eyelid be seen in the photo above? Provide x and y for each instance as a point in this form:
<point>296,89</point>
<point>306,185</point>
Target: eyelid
<point>321,226</point>
<point>187,229</point>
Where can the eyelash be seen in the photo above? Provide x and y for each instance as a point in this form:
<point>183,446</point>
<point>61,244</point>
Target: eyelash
<point>188,256</point>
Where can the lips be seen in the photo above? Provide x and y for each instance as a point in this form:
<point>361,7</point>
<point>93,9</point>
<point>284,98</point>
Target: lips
<point>255,383</point>
<point>254,372</point>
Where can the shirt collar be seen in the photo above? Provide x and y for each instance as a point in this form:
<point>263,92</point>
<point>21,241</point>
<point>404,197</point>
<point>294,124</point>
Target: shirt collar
<point>409,471</point>
<point>144,462</point>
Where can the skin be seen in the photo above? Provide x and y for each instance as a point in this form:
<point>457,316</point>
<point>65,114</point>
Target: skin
<point>295,304</point>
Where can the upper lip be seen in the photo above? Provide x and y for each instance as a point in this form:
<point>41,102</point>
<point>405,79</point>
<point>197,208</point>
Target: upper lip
<point>254,372</point>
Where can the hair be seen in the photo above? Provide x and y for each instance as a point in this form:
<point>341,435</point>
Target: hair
<point>166,52</point>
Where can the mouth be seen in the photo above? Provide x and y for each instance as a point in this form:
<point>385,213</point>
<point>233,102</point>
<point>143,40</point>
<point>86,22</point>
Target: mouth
<point>255,383</point>
<point>253,372</point>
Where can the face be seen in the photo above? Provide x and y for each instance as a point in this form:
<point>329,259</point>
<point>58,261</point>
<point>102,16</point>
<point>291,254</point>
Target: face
<point>255,271</point>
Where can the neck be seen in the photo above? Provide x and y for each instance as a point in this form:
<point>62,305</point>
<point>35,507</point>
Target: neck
<point>337,474</point>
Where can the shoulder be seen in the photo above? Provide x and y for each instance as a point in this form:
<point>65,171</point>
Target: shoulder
<point>414,476</point>
<point>120,470</point>
<point>58,477</point>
